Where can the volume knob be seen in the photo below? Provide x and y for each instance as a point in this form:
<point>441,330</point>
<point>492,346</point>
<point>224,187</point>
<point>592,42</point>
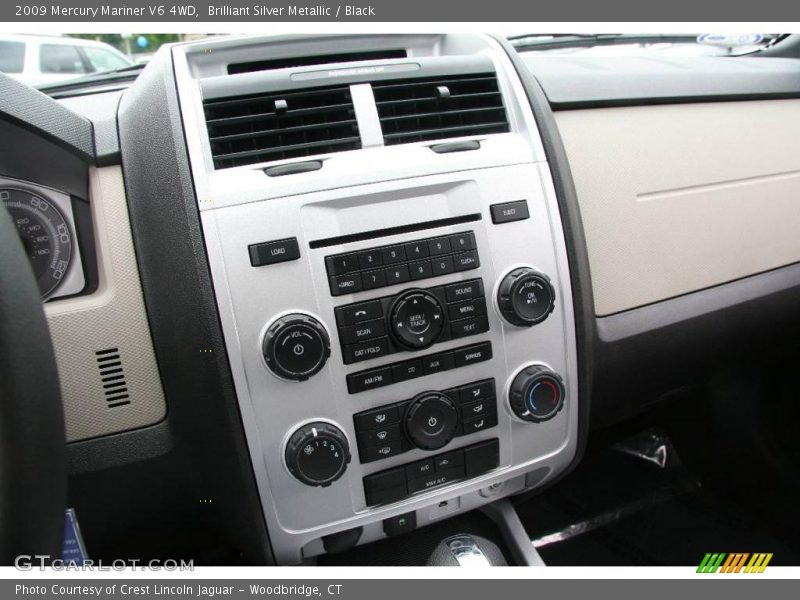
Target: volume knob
<point>296,347</point>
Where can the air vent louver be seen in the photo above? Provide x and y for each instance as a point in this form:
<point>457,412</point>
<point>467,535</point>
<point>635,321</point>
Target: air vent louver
<point>115,387</point>
<point>417,110</point>
<point>266,127</point>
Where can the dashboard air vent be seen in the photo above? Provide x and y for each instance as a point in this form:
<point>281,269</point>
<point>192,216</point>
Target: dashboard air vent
<point>244,130</point>
<point>416,110</point>
<point>307,61</point>
<point>115,387</point>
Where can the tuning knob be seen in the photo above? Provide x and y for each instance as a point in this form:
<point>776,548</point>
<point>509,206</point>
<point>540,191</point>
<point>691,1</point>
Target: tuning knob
<point>536,394</point>
<point>525,297</point>
<point>317,454</point>
<point>296,347</point>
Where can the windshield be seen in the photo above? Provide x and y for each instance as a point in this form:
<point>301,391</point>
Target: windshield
<point>47,60</point>
<point>624,44</point>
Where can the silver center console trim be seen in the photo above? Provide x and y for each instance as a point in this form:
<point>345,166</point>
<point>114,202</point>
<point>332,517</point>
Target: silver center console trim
<point>366,190</point>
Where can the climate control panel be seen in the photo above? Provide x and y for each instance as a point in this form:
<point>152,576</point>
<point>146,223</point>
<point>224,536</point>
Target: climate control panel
<point>428,421</point>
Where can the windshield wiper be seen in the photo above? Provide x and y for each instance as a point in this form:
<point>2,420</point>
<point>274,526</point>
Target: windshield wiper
<point>123,75</point>
<point>576,40</point>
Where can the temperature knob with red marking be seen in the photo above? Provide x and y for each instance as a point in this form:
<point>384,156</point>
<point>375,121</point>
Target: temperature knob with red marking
<point>536,394</point>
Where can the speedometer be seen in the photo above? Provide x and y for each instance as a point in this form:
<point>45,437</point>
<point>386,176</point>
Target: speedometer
<point>45,235</point>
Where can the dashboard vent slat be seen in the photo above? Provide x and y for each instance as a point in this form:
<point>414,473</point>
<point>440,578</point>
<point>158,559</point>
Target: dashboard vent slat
<point>112,377</point>
<point>250,129</point>
<point>416,110</point>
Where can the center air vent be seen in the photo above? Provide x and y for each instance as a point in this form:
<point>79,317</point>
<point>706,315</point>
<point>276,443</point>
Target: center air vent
<point>244,130</point>
<point>416,110</point>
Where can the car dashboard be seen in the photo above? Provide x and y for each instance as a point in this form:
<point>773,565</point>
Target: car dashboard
<point>319,290</point>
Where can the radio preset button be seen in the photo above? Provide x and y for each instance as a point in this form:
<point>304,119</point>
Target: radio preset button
<point>462,241</point>
<point>398,274</point>
<point>439,246</point>
<point>369,259</point>
<point>416,250</point>
<point>393,254</point>
<point>420,270</point>
<point>442,266</point>
<point>373,279</point>
<point>341,264</point>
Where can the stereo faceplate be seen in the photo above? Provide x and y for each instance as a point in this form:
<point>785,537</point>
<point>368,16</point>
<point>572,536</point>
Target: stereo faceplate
<point>251,297</point>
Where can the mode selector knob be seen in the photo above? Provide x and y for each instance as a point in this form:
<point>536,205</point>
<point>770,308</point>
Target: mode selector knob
<point>317,454</point>
<point>525,297</point>
<point>536,394</point>
<point>431,420</point>
<point>296,347</point>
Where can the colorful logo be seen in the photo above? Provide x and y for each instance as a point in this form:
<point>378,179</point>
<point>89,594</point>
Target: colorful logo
<point>734,562</point>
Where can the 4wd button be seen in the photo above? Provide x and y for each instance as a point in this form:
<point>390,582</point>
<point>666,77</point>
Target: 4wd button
<point>417,319</point>
<point>431,420</point>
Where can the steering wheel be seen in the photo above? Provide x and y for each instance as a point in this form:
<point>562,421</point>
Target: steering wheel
<point>33,473</point>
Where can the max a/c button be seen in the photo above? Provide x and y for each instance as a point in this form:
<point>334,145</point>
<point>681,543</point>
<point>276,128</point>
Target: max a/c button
<point>509,211</point>
<point>269,253</point>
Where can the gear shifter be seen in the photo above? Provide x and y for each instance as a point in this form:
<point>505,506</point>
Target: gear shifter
<point>465,550</point>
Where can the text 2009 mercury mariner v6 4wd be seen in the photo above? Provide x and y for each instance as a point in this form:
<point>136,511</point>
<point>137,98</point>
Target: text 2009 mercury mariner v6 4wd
<point>403,299</point>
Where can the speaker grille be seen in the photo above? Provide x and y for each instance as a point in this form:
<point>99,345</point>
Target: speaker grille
<point>112,376</point>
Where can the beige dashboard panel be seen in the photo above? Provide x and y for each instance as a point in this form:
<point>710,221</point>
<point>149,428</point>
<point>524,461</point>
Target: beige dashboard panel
<point>678,198</point>
<point>109,377</point>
